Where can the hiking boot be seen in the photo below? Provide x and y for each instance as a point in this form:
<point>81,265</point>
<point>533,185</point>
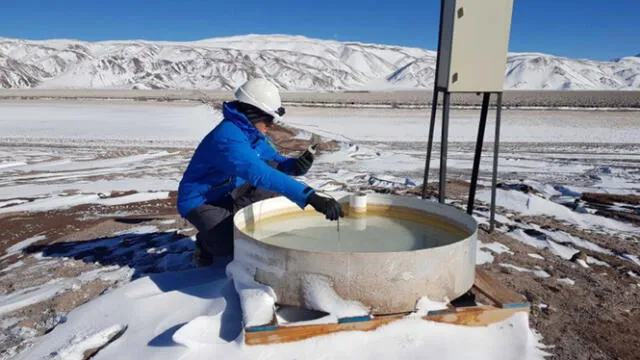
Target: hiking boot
<point>201,257</point>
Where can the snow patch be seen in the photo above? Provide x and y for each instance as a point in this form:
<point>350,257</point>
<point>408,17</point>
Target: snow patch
<point>201,331</point>
<point>133,198</point>
<point>582,263</point>
<point>318,294</point>
<point>566,281</point>
<point>12,202</point>
<point>533,205</point>
<point>190,315</point>
<point>13,266</point>
<point>425,305</point>
<point>594,261</point>
<point>33,295</point>
<point>257,300</point>
<point>81,344</point>
<point>139,230</point>
<point>483,257</point>
<point>64,202</point>
<point>539,273</point>
<point>24,244</point>
<point>632,258</point>
<point>496,247</point>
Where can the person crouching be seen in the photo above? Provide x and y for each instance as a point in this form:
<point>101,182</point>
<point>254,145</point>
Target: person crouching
<point>236,165</point>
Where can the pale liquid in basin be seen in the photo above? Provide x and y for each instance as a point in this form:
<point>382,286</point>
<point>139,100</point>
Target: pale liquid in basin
<point>371,233</point>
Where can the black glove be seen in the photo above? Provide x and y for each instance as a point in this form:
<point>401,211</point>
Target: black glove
<point>326,205</point>
<point>302,164</point>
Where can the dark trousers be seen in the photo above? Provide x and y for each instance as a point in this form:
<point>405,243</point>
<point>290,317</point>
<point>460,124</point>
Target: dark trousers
<point>215,221</point>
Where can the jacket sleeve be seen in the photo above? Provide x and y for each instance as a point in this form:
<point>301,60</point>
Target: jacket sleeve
<point>286,166</point>
<point>269,153</point>
<point>239,159</point>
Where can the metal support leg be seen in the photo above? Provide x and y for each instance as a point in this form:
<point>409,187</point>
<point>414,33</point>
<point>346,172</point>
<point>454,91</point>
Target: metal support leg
<point>478,153</point>
<point>443,147</point>
<point>496,150</point>
<point>432,124</point>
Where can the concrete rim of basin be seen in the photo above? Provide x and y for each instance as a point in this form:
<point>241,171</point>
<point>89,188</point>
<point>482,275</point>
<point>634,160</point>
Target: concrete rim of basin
<point>383,282</point>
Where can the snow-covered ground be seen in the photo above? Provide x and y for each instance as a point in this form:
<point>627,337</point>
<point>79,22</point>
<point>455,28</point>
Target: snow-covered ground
<point>60,155</point>
<point>95,149</point>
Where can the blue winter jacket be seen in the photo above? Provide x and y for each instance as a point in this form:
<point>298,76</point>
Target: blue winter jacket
<point>234,153</point>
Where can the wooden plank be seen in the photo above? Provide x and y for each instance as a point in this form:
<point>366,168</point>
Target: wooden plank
<point>496,292</point>
<point>468,316</point>
<point>474,316</point>
<point>296,333</point>
<point>508,301</point>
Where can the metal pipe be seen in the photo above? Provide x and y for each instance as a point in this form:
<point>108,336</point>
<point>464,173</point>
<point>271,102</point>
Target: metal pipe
<point>434,107</point>
<point>443,147</point>
<point>432,124</point>
<point>496,150</point>
<point>476,158</point>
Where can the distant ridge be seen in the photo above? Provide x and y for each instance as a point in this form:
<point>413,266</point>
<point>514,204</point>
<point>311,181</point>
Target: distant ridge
<point>295,63</point>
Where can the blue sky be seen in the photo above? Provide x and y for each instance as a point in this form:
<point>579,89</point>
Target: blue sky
<point>593,29</point>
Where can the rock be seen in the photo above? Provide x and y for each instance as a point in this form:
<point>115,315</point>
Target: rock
<point>580,255</point>
<point>536,234</point>
<point>518,187</point>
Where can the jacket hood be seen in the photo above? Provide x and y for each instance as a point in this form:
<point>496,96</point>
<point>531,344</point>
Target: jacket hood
<point>231,113</point>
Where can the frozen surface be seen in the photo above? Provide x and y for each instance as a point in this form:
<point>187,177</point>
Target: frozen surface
<point>90,122</point>
<point>516,126</point>
<point>370,233</point>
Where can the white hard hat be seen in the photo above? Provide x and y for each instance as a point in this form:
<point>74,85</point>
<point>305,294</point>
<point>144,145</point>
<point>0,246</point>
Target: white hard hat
<point>262,94</point>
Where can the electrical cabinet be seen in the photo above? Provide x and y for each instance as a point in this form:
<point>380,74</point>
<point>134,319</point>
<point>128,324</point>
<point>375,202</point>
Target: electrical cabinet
<point>474,40</point>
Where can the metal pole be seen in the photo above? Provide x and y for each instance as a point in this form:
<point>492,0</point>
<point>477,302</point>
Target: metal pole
<point>496,150</point>
<point>432,124</point>
<point>434,107</point>
<point>443,147</point>
<point>478,153</point>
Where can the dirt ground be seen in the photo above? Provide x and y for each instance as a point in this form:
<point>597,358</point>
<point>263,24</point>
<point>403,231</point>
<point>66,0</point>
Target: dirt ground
<point>598,317</point>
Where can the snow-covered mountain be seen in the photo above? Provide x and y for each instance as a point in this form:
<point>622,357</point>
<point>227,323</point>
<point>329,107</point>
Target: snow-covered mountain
<point>294,62</point>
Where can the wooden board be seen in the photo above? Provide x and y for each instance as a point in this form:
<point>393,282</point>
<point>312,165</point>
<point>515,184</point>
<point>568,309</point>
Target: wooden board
<point>474,316</point>
<point>296,333</point>
<point>498,293</point>
<point>470,316</point>
<point>507,303</point>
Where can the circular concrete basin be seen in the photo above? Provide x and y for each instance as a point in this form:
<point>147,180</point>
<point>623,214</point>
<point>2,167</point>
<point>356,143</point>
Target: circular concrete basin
<point>386,254</point>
